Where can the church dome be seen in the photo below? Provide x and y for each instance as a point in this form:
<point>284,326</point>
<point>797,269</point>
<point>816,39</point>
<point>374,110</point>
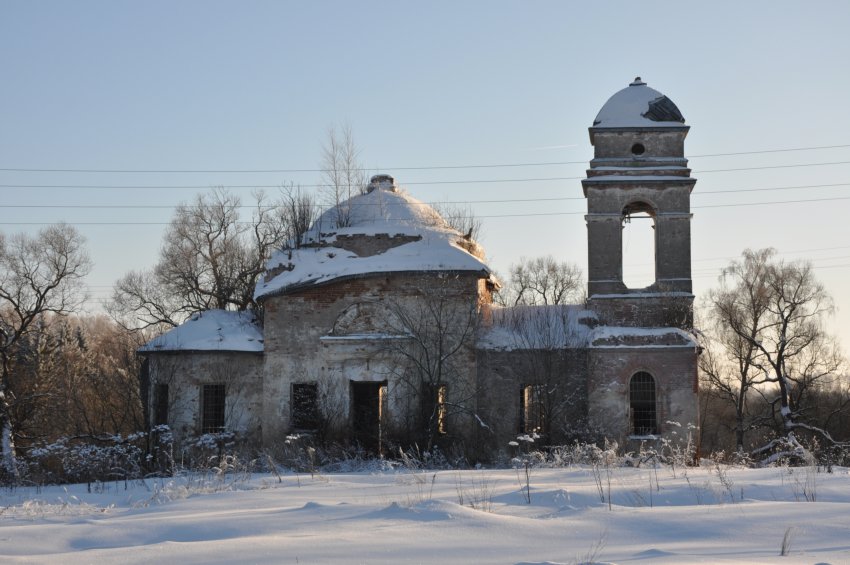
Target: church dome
<point>637,105</point>
<point>384,230</point>
<point>383,207</point>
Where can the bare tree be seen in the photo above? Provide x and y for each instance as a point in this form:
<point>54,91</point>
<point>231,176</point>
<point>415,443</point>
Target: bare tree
<point>38,275</point>
<point>434,361</point>
<point>545,339</point>
<point>461,219</point>
<point>541,281</point>
<point>298,211</point>
<point>209,258</point>
<point>768,315</point>
<point>342,174</point>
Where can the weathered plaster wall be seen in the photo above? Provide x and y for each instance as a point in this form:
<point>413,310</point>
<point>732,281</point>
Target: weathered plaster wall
<point>302,345</point>
<point>669,202</point>
<point>675,372</point>
<point>503,374</point>
<point>185,373</point>
<point>617,143</point>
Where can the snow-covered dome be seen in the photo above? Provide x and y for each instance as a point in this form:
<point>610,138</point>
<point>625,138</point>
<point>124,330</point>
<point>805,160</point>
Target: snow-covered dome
<point>637,105</point>
<point>384,207</point>
<point>382,231</point>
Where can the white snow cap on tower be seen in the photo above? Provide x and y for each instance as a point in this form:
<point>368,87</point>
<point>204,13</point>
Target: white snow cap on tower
<point>637,105</point>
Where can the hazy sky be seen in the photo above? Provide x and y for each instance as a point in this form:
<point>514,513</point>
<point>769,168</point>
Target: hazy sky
<point>247,86</point>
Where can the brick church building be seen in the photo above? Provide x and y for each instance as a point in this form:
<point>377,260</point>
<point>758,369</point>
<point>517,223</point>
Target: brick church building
<point>379,329</point>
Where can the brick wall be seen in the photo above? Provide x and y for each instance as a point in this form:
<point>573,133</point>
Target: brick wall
<point>503,374</point>
<point>675,372</point>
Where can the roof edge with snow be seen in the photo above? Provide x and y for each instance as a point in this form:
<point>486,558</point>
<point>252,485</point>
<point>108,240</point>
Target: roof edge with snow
<point>211,331</point>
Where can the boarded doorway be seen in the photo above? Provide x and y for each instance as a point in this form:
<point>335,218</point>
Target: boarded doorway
<point>368,405</point>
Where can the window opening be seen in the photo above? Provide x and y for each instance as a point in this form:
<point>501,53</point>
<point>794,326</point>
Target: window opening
<point>532,413</point>
<point>638,149</point>
<point>642,404</point>
<point>305,406</point>
<point>435,408</point>
<point>638,239</point>
<point>212,409</point>
<point>160,404</point>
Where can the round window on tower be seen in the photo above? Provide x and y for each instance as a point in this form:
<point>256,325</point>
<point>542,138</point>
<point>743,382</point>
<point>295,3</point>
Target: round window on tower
<point>638,149</point>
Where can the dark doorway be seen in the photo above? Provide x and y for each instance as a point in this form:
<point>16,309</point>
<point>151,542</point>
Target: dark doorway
<point>368,401</point>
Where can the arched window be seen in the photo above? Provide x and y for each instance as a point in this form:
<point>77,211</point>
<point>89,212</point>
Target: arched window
<point>642,405</point>
<point>638,237</point>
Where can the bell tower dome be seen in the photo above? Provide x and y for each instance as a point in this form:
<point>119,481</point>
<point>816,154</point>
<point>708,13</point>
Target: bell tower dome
<point>639,169</point>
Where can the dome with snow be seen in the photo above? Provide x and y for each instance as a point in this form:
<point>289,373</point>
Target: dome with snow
<point>384,230</point>
<point>637,105</point>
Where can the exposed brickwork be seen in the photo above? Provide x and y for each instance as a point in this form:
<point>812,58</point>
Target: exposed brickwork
<point>674,370</point>
<point>368,245</point>
<point>502,374</point>
<point>658,311</point>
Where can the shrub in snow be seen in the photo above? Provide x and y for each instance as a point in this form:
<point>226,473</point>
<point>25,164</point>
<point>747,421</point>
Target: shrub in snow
<point>205,451</point>
<point>99,459</point>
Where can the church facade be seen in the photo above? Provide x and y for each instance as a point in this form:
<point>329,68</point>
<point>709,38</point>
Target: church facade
<point>379,328</point>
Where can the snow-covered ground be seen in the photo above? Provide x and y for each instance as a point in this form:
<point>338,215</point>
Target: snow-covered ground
<point>708,514</point>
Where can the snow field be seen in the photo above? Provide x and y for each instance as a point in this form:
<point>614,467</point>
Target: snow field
<point>708,514</point>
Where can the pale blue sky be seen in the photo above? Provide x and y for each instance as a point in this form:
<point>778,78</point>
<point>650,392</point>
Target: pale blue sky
<point>255,85</point>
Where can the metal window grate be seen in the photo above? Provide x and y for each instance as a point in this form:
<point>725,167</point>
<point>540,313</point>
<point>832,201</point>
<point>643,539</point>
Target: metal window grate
<point>305,406</point>
<point>212,409</point>
<point>642,404</point>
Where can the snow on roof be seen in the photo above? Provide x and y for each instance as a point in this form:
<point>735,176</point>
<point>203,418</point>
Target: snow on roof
<point>615,336</point>
<point>384,209</point>
<point>213,330</point>
<point>637,105</point>
<point>537,327</point>
<point>415,238</point>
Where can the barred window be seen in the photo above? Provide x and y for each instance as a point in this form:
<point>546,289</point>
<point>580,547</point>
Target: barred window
<point>212,408</point>
<point>305,406</point>
<point>642,404</point>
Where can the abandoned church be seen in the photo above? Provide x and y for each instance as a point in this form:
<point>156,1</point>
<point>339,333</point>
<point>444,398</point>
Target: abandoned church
<point>379,329</point>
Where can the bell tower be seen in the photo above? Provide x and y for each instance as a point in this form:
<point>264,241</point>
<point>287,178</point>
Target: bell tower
<point>639,169</point>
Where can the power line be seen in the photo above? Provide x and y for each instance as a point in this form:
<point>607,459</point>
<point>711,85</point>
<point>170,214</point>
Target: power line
<point>418,168</point>
<point>771,167</point>
<point>768,151</point>
<point>414,183</point>
<point>435,203</point>
<point>775,202</point>
<point>526,215</point>
<point>196,187</point>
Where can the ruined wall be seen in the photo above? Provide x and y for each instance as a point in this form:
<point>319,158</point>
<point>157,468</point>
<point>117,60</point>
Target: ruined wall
<point>610,370</point>
<point>673,310</point>
<point>502,375</point>
<point>186,372</point>
<point>320,335</point>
